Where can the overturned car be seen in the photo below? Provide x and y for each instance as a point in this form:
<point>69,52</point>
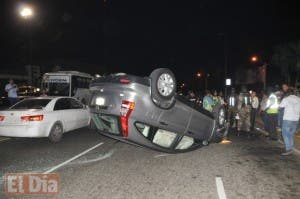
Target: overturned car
<point>146,111</point>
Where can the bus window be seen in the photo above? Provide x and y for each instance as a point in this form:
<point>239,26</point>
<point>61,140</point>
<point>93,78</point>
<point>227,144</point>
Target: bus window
<point>79,82</point>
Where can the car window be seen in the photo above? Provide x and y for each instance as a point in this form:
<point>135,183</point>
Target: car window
<point>157,136</point>
<point>62,104</point>
<point>75,104</point>
<point>31,104</point>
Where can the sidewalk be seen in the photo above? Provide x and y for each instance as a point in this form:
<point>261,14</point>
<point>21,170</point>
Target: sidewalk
<point>259,124</point>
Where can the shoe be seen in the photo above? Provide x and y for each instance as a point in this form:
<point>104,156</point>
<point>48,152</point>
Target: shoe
<point>289,152</point>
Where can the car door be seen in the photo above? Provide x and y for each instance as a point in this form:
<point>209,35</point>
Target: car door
<point>63,113</point>
<point>80,113</point>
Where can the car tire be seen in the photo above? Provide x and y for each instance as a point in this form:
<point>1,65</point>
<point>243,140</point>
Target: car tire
<point>163,87</point>
<point>56,132</point>
<point>219,112</point>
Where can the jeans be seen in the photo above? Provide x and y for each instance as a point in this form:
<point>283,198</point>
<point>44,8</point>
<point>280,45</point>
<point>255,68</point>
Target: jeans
<point>288,132</point>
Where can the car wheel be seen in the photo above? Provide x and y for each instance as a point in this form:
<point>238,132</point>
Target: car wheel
<point>221,126</point>
<point>56,132</point>
<point>163,87</point>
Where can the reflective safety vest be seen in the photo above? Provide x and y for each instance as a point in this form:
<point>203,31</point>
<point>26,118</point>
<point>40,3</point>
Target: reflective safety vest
<point>272,104</point>
<point>231,101</point>
<point>216,100</point>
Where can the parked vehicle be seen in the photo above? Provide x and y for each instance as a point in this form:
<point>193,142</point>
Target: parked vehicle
<point>43,117</point>
<point>68,83</point>
<point>148,112</point>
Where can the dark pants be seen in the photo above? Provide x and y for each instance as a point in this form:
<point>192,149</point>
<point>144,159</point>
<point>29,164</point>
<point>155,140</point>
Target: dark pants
<point>252,118</point>
<point>12,100</point>
<point>271,125</point>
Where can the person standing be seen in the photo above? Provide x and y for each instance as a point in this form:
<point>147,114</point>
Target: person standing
<point>208,102</point>
<point>254,107</point>
<point>263,106</point>
<point>284,90</point>
<point>272,114</point>
<point>291,105</point>
<point>11,88</point>
<point>243,123</point>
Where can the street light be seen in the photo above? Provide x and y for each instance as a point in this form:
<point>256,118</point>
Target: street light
<point>198,75</point>
<point>263,70</point>
<point>254,59</point>
<point>26,12</point>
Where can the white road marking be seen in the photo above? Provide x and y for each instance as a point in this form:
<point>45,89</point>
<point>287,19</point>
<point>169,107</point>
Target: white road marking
<point>99,158</point>
<point>73,158</point>
<point>161,155</point>
<point>4,139</point>
<point>220,188</point>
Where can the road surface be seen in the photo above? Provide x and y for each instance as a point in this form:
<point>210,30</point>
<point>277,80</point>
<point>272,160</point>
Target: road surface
<point>105,168</point>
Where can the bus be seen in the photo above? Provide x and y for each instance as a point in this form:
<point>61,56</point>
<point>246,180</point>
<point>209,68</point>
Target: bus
<point>67,83</point>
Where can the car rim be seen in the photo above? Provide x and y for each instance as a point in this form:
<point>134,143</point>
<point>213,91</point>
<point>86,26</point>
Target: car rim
<point>165,84</point>
<point>222,117</point>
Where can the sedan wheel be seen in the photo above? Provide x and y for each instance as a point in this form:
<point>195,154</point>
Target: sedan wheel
<point>56,132</point>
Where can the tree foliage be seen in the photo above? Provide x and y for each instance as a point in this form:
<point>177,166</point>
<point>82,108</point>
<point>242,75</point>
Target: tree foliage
<point>287,57</point>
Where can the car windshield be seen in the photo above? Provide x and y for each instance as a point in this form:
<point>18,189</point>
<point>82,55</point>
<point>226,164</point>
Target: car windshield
<point>31,104</point>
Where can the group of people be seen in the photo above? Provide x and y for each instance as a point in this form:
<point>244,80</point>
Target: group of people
<point>208,101</point>
<point>278,109</point>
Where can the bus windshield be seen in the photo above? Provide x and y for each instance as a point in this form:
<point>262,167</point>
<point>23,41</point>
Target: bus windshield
<point>57,85</point>
<point>58,89</point>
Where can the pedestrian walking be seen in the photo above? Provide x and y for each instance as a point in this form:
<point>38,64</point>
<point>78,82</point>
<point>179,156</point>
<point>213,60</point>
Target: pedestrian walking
<point>254,107</point>
<point>291,105</point>
<point>11,88</point>
<point>272,114</point>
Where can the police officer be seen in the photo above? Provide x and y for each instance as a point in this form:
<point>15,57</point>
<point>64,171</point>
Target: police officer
<point>272,115</point>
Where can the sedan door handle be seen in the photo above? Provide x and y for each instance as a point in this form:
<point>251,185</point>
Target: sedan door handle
<point>163,123</point>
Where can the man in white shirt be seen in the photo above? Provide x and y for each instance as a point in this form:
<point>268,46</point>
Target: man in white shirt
<point>254,107</point>
<point>11,89</point>
<point>291,105</point>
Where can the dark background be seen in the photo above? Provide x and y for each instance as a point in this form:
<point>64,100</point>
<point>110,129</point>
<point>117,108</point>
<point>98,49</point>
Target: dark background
<point>97,36</point>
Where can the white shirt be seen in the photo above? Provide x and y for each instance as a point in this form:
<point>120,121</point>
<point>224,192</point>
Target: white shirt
<point>12,92</point>
<point>255,102</point>
<point>291,105</point>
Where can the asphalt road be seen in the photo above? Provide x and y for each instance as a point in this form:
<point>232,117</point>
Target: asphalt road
<point>243,168</point>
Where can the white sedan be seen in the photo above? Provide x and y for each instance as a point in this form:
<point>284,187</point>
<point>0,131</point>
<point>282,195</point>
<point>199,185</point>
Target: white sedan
<point>44,117</point>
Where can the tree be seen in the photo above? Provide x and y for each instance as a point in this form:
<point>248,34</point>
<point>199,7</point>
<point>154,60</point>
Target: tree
<point>287,57</point>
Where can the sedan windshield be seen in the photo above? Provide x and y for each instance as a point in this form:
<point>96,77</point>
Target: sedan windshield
<point>31,104</point>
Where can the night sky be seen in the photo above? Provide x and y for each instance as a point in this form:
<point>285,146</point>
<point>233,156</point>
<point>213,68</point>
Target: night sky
<point>138,36</point>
